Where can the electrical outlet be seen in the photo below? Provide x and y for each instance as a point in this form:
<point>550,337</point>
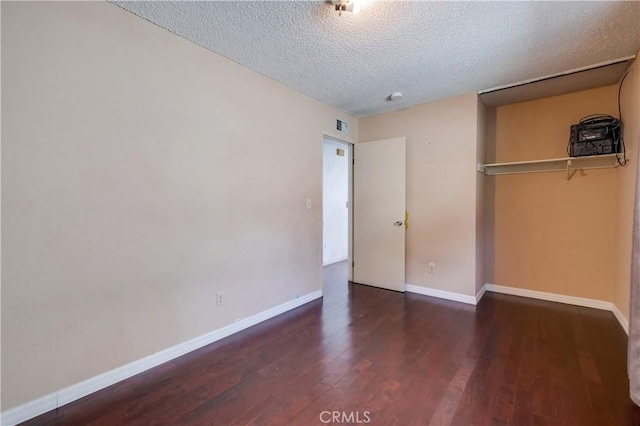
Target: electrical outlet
<point>432,268</point>
<point>220,298</point>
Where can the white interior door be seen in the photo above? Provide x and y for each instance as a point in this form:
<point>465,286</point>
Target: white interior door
<point>379,196</point>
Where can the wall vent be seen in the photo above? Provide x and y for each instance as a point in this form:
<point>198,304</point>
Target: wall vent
<point>342,127</point>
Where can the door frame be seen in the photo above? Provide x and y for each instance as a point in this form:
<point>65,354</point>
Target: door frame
<point>349,148</point>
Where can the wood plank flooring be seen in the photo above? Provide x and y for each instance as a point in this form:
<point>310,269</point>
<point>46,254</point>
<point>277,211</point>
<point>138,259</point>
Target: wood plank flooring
<point>389,358</point>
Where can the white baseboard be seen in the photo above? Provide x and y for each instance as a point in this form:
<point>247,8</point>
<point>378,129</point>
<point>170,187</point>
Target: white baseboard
<point>481,293</point>
<point>441,294</point>
<point>532,294</point>
<point>621,319</point>
<point>64,396</point>
<point>561,298</point>
<point>550,297</point>
<point>29,410</point>
<point>331,262</point>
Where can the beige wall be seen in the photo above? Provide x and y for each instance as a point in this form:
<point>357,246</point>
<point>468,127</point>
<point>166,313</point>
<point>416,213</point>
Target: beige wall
<point>626,177</point>
<point>549,234</point>
<point>441,188</point>
<point>141,174</point>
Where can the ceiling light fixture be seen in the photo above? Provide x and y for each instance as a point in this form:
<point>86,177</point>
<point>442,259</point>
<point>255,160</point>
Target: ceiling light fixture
<point>352,6</point>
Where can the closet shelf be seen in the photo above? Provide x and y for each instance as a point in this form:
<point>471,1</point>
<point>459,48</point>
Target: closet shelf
<point>569,164</point>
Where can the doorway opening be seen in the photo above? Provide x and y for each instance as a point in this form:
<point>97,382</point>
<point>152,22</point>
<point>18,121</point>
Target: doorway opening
<point>337,221</point>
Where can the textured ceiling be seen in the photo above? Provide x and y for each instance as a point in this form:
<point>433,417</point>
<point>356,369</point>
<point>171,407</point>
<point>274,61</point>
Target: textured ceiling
<point>426,50</point>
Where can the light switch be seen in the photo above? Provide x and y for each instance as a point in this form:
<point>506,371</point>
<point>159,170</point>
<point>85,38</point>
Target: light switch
<point>309,205</point>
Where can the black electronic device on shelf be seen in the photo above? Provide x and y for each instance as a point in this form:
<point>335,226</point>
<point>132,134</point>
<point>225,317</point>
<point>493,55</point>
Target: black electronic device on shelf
<point>595,135</point>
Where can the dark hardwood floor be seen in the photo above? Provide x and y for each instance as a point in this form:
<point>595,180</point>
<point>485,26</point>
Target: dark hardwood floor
<point>389,358</point>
